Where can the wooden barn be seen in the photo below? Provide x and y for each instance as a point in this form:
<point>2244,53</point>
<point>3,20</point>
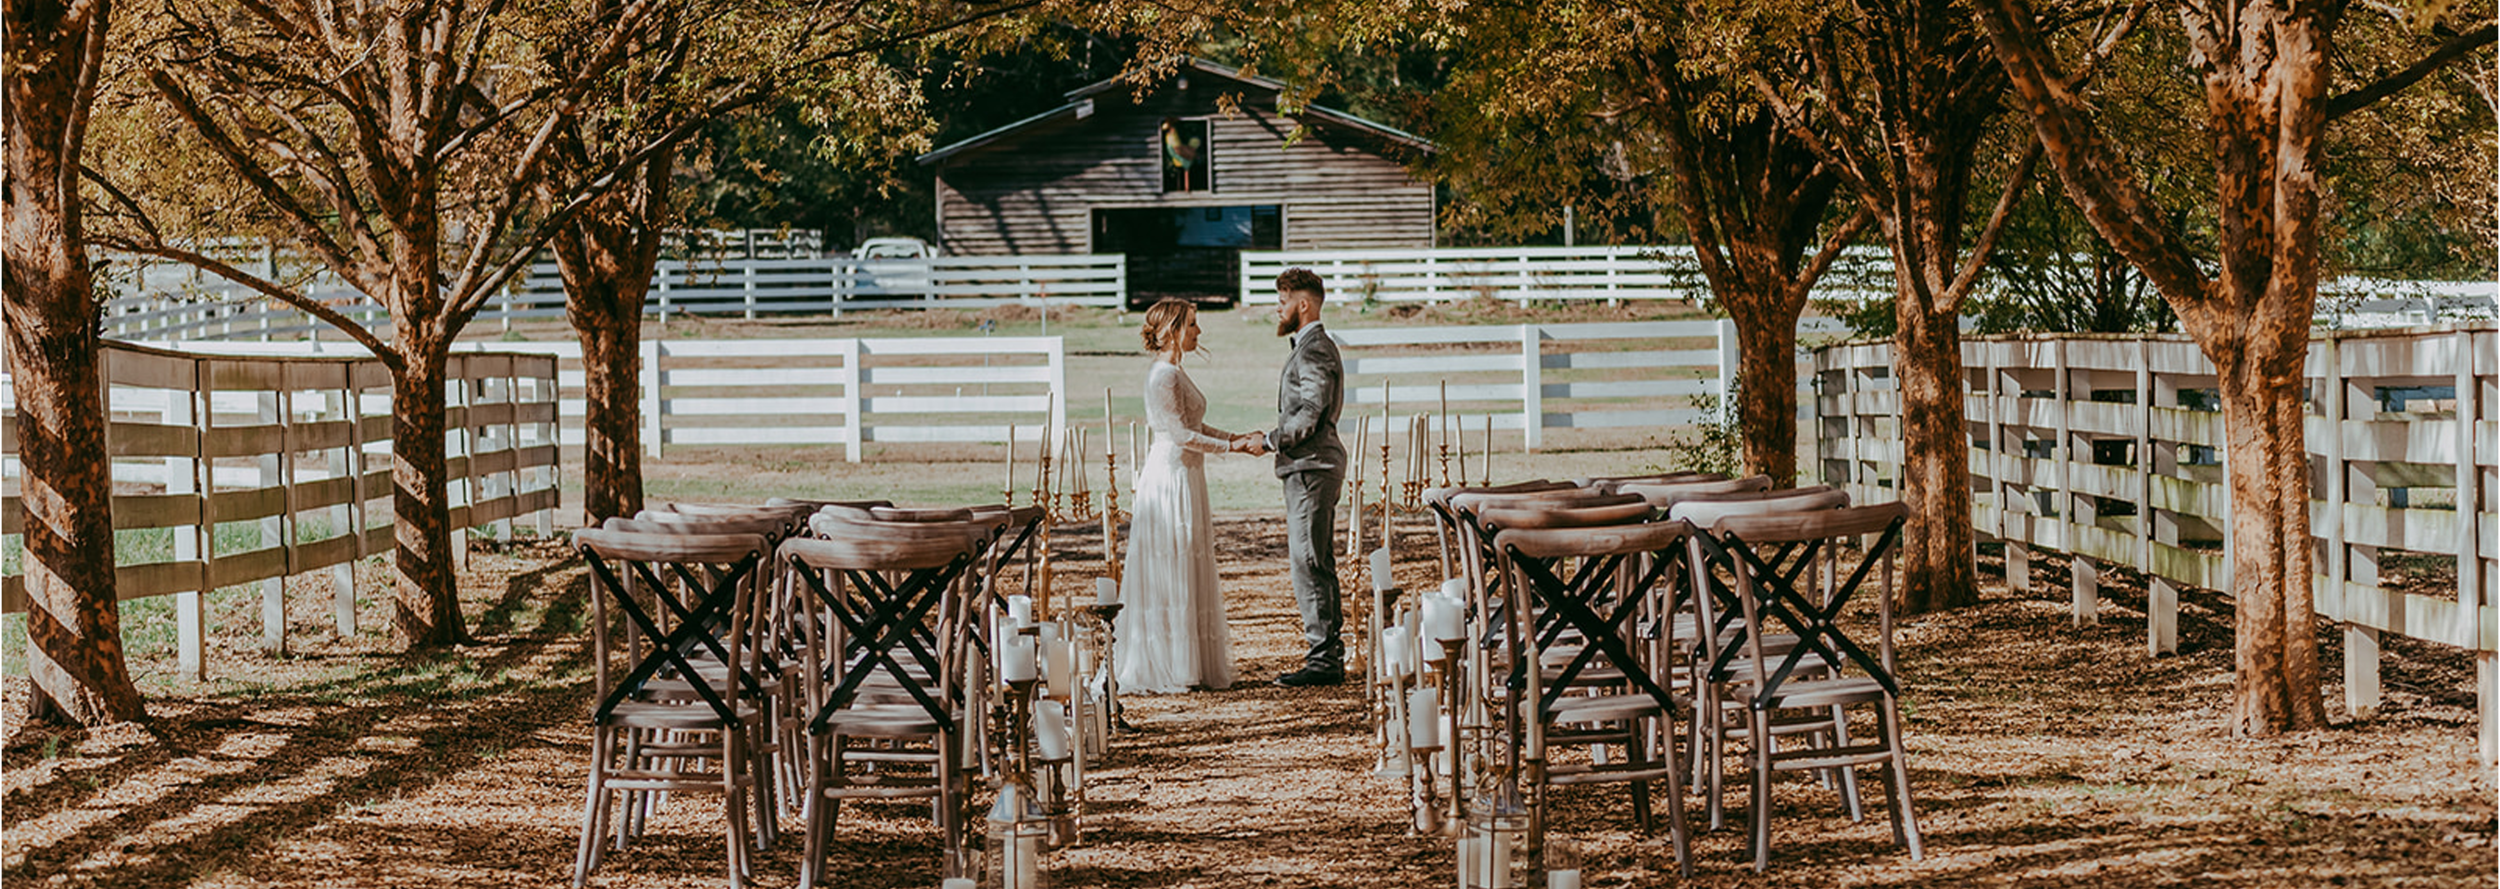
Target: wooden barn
<point>1181,177</point>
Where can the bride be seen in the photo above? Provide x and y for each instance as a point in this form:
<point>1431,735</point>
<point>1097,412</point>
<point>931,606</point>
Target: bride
<point>1173,634</point>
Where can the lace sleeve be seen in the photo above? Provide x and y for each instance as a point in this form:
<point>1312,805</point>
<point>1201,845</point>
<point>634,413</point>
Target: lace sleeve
<point>1168,413</point>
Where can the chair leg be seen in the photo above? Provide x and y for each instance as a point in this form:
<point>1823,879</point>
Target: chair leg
<point>1677,832</point>
<point>767,802</point>
<point>1718,764</point>
<point>594,809</point>
<point>1848,774</point>
<point>1762,747</point>
<point>815,815</point>
<point>1891,716</point>
<point>734,804</point>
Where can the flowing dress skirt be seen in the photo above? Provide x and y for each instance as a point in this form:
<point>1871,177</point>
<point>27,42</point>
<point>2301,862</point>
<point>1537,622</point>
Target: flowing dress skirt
<point>1172,635</point>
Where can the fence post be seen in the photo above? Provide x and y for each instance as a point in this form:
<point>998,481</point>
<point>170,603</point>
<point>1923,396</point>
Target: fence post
<point>461,441</point>
<point>1728,364</point>
<point>2361,643</point>
<point>2471,410</point>
<point>652,429</point>
<point>746,283</point>
<point>198,546</point>
<point>350,515</point>
<point>854,380</point>
<point>272,408</point>
<point>2087,588</point>
<point>1531,387</point>
<point>1058,386</point>
<point>2161,602</point>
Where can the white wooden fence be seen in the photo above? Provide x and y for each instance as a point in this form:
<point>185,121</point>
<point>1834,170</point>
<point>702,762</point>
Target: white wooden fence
<point>1536,377</point>
<point>176,303</point>
<point>808,391</point>
<point>1529,273</point>
<point>1672,272</point>
<point>233,470</point>
<point>2108,449</point>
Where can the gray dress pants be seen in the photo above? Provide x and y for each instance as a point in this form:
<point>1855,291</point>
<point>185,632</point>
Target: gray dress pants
<point>1310,544</point>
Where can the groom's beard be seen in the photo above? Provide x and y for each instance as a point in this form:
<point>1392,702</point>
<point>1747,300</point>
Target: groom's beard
<point>1287,324</point>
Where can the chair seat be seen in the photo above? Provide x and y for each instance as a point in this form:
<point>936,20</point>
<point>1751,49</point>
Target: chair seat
<point>1817,692</point>
<point>1603,708</point>
<point>672,715</point>
<point>883,721</point>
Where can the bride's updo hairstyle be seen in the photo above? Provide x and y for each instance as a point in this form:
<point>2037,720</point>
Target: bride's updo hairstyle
<point>1164,323</point>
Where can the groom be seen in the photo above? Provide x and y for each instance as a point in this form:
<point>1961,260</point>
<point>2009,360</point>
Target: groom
<point>1312,462</point>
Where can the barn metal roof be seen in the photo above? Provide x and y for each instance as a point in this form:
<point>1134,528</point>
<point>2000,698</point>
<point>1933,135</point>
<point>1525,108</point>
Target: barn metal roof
<point>1081,102</point>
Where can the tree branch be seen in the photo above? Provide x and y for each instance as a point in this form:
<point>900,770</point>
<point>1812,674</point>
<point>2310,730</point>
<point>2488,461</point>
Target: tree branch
<point>2455,48</point>
<point>1977,258</point>
<point>364,337</point>
<point>307,227</point>
<point>1833,247</point>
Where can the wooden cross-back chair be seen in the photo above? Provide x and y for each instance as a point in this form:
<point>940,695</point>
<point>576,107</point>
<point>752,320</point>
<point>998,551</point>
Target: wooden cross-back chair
<point>1717,654</point>
<point>1855,676</point>
<point>891,609</point>
<point>1584,666</point>
<point>663,721</point>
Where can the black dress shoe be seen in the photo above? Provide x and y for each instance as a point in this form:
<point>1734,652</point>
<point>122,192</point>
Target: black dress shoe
<point>1306,678</point>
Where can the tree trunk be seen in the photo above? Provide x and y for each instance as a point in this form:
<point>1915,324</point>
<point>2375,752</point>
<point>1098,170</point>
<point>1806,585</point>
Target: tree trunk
<point>1766,345</point>
<point>604,302</point>
<point>1938,564</point>
<point>74,613</point>
<point>428,601</point>
<point>2275,660</point>
<point>607,256</point>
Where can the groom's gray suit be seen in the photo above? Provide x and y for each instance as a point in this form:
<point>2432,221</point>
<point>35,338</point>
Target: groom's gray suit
<point>1312,463</point>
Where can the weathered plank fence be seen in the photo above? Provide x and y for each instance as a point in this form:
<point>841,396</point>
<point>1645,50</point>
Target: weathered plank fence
<point>1527,273</point>
<point>237,470</point>
<point>2109,449</point>
<point>808,391</point>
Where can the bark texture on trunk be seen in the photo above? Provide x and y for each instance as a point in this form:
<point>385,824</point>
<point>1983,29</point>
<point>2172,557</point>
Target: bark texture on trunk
<point>1938,553</point>
<point>2275,661</point>
<point>74,614</point>
<point>1766,397</point>
<point>426,608</point>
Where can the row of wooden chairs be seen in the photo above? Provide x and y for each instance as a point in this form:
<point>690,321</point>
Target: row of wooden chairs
<point>789,657</point>
<point>1602,610</point>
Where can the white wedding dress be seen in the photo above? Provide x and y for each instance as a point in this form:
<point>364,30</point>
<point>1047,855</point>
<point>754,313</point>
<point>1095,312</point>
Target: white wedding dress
<point>1172,635</point>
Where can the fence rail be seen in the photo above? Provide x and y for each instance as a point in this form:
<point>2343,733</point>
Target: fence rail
<point>175,303</point>
<point>1529,273</point>
<point>846,392</point>
<point>2109,449</point>
<point>262,469</point>
<point>1537,377</point>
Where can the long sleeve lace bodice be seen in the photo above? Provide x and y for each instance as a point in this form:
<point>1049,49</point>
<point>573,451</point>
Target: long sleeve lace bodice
<point>1176,411</point>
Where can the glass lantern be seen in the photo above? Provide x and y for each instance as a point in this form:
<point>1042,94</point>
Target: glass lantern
<point>1018,833</point>
<point>1491,851</point>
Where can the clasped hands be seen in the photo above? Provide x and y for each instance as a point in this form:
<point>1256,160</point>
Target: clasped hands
<point>1253,443</point>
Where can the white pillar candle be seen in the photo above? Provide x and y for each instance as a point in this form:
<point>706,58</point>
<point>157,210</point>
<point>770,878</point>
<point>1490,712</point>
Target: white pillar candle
<point>1467,862</point>
<point>1423,718</point>
<point>1393,652</point>
<point>1443,618</point>
<point>1050,729</point>
<point>1058,661</point>
<point>1106,591</point>
<point>1020,610</point>
<point>1567,878</point>
<point>1016,664</point>
<point>967,883</point>
<point>1381,577</point>
<point>1024,869</point>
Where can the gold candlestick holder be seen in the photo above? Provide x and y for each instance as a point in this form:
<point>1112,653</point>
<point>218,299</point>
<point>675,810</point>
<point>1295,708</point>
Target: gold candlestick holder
<point>1043,496</point>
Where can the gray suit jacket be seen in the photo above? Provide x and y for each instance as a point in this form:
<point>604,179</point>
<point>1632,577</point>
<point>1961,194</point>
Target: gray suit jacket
<point>1309,396</point>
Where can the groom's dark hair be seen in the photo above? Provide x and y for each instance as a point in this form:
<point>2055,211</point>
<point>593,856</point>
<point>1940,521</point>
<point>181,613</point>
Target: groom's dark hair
<point>1303,280</point>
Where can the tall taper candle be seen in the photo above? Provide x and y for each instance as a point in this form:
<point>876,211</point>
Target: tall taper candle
<point>1011,465</point>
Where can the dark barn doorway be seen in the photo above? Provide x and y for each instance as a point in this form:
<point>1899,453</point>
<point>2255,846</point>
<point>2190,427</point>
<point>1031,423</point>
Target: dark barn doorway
<point>1191,253</point>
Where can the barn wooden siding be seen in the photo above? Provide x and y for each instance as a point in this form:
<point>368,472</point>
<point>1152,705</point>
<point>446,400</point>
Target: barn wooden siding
<point>1035,191</point>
